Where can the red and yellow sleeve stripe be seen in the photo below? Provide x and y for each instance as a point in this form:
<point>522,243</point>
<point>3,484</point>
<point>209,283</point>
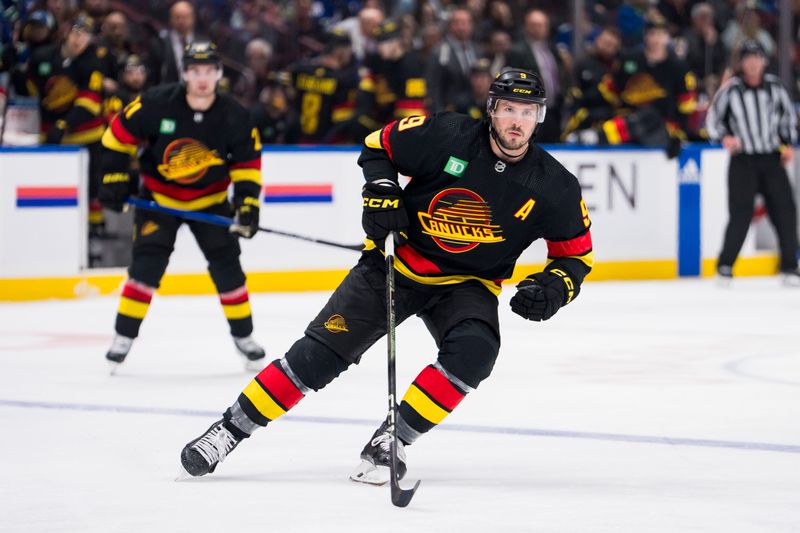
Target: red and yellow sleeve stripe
<point>246,171</point>
<point>90,101</point>
<point>119,139</point>
<point>687,103</point>
<point>579,248</point>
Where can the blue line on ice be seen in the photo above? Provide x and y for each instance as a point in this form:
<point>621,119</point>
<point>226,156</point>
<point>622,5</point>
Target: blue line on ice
<point>530,432</point>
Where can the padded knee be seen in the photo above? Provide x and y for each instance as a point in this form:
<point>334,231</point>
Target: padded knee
<point>314,364</point>
<point>469,351</point>
<point>149,264</point>
<point>226,272</point>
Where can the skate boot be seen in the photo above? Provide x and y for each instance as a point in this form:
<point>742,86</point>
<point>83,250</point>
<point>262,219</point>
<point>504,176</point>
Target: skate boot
<point>375,457</point>
<point>253,353</point>
<point>120,347</point>
<point>791,278</point>
<point>724,276</point>
<point>203,454</point>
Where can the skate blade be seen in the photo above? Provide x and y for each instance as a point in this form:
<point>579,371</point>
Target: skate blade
<point>369,474</point>
<point>790,281</point>
<point>723,282</point>
<point>183,475</point>
<point>112,368</point>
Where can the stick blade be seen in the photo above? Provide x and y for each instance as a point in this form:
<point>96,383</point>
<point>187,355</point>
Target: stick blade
<point>402,497</point>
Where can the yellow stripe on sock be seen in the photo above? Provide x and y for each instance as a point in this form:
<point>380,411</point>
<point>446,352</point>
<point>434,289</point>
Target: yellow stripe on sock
<point>132,308</point>
<point>424,405</point>
<point>262,401</point>
<point>232,312</point>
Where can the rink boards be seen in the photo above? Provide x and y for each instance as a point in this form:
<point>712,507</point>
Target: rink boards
<point>652,218</point>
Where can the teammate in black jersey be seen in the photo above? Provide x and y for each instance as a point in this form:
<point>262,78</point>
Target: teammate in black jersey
<point>480,193</point>
<point>195,143</point>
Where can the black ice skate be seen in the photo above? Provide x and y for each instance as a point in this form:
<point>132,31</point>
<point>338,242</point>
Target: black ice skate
<point>203,454</point>
<point>120,347</point>
<point>253,353</point>
<point>375,457</point>
<point>791,278</point>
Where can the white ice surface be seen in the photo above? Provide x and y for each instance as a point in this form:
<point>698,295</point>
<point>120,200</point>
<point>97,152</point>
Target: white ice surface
<point>649,406</point>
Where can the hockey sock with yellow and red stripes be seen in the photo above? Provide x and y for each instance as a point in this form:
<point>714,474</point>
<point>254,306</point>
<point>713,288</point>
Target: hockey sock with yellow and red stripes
<point>268,396</point>
<point>431,397</point>
<point>133,306</point>
<point>236,306</point>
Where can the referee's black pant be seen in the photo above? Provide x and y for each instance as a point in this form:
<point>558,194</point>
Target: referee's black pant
<point>749,174</point>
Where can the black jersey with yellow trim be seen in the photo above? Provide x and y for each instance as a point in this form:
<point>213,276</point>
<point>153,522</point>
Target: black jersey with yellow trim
<point>669,86</point>
<point>473,214</point>
<point>189,158</point>
<point>69,92</point>
<point>324,98</point>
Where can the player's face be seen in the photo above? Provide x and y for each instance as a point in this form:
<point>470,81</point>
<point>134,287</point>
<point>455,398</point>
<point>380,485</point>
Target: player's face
<point>201,80</point>
<point>77,41</point>
<point>514,123</point>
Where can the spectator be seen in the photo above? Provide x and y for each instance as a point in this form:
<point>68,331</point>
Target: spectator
<point>676,13</point>
<point>257,72</point>
<point>113,48</point>
<point>448,72</point>
<point>747,26</point>
<point>301,37</point>
<point>361,29</point>
<point>705,52</point>
<point>499,45</point>
<point>535,52</point>
<point>166,61</point>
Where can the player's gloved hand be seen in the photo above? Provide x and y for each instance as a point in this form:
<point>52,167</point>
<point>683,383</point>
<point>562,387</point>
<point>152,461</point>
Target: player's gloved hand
<point>384,211</point>
<point>540,295</point>
<point>246,218</point>
<point>56,133</point>
<point>114,190</point>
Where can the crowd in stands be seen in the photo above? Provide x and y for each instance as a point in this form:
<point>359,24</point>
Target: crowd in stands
<point>330,71</point>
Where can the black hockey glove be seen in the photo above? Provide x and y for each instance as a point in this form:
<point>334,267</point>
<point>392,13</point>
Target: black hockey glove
<point>114,190</point>
<point>540,295</point>
<point>384,211</point>
<point>246,218</point>
<point>56,133</point>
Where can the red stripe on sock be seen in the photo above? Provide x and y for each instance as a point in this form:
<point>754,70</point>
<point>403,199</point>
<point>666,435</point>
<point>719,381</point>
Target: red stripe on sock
<point>439,388</point>
<point>138,292</point>
<point>236,296</point>
<point>279,385</point>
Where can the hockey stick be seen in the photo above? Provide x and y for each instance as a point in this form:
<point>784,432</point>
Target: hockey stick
<point>400,496</point>
<point>219,220</point>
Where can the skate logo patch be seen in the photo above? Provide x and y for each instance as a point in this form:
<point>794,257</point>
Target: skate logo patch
<point>455,166</point>
<point>187,160</point>
<point>148,228</point>
<point>459,220</point>
<point>336,324</point>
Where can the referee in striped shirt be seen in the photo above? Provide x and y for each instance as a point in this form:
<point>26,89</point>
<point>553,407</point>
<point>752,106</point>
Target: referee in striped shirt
<point>754,118</point>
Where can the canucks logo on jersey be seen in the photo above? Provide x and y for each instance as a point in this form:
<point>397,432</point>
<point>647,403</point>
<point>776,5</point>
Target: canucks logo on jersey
<point>459,220</point>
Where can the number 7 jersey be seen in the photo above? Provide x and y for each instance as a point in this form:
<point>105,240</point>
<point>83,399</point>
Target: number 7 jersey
<point>471,213</point>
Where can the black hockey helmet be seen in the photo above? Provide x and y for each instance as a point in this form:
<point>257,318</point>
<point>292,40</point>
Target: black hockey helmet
<point>518,85</point>
<point>389,29</point>
<point>200,53</point>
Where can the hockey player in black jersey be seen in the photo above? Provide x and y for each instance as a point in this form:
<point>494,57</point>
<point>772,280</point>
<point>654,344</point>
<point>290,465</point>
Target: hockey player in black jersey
<point>480,193</point>
<point>195,143</point>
